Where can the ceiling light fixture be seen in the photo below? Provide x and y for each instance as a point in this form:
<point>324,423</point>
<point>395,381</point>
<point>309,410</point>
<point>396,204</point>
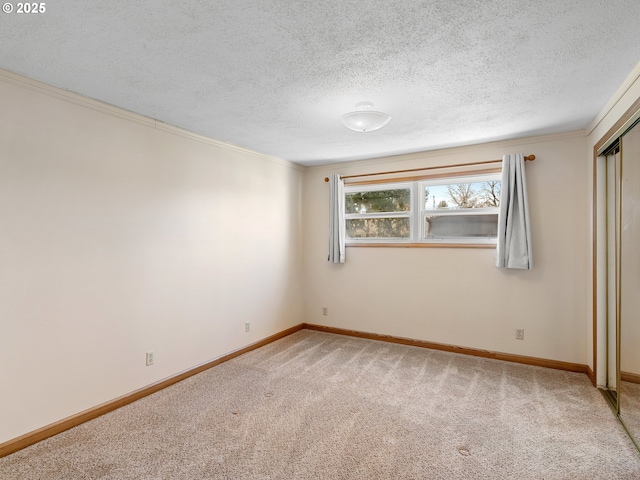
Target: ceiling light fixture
<point>364,119</point>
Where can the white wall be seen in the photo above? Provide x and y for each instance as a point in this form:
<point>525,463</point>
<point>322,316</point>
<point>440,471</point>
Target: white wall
<point>118,237</point>
<point>458,296</point>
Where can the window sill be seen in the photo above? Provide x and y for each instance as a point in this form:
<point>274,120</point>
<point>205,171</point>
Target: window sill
<point>423,245</point>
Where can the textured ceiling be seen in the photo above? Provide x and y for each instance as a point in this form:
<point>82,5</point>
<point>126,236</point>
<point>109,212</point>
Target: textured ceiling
<point>275,75</point>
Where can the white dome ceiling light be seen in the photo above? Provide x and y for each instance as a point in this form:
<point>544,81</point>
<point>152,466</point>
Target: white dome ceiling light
<point>364,119</point>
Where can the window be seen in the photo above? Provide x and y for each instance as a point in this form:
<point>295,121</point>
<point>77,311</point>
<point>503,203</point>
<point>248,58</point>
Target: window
<point>382,212</point>
<point>459,210</point>
<point>464,210</point>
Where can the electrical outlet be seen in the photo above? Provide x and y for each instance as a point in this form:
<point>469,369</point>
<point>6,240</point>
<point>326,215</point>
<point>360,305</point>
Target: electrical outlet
<point>247,326</point>
<point>149,358</point>
<point>325,311</point>
<point>520,334</point>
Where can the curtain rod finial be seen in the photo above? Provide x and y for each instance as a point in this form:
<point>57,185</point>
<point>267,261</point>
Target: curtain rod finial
<point>530,157</point>
<point>326,179</point>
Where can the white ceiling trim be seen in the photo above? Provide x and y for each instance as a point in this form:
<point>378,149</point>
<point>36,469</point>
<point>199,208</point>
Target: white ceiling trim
<point>477,152</point>
<point>72,97</point>
<point>633,76</point>
<point>102,107</point>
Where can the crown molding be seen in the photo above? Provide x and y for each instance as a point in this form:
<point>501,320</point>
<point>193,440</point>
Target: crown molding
<point>102,107</point>
<point>476,152</point>
<point>633,76</point>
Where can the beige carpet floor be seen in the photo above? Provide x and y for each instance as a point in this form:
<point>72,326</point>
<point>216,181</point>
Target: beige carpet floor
<point>322,406</point>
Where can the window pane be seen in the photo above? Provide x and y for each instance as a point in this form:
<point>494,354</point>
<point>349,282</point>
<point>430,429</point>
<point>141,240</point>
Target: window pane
<point>461,226</point>
<point>462,195</point>
<point>397,200</point>
<point>378,227</point>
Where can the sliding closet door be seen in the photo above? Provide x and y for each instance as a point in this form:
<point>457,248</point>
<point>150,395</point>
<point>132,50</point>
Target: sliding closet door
<point>629,392</point>
<point>613,262</point>
<point>607,223</point>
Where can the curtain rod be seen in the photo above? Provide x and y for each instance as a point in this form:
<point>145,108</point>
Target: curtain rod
<point>486,162</point>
